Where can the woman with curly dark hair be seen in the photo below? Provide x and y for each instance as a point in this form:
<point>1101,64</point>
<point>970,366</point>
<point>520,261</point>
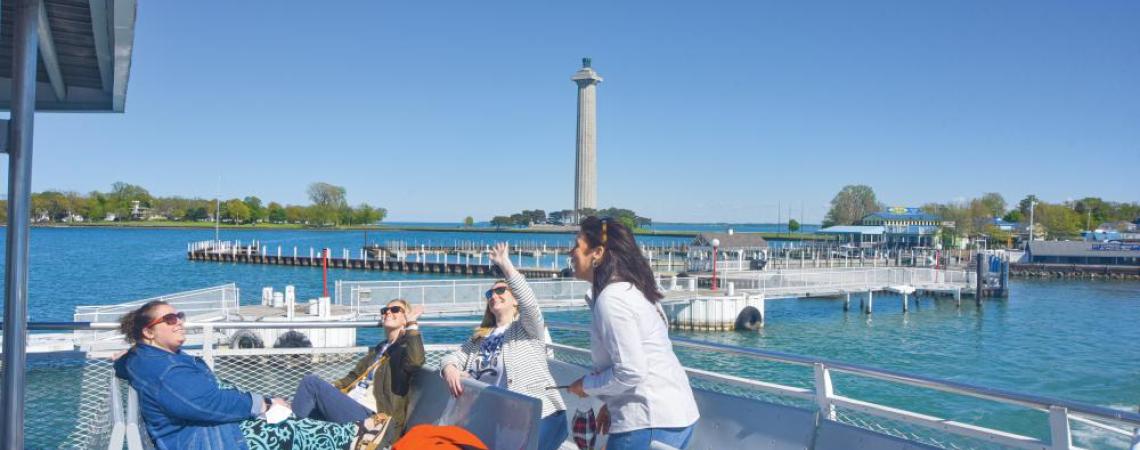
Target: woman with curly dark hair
<point>636,374</point>
<point>184,406</point>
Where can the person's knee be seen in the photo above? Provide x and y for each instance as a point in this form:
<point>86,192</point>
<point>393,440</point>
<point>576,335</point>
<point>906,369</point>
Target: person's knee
<point>311,380</point>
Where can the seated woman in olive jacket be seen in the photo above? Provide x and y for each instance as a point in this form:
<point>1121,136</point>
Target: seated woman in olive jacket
<point>379,383</point>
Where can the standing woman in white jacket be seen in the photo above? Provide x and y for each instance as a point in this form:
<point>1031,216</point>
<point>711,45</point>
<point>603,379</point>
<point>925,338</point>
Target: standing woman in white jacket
<point>636,374</point>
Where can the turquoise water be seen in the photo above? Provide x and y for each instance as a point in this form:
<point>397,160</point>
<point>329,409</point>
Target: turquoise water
<point>1068,339</point>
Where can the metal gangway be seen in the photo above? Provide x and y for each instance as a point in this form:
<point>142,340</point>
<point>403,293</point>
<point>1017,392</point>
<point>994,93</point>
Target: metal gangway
<point>826,282</point>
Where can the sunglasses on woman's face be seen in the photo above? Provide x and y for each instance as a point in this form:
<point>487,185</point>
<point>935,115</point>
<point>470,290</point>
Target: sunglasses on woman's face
<point>391,309</point>
<point>169,319</point>
<point>499,290</point>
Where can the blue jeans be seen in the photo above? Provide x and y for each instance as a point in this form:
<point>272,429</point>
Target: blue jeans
<point>552,431</point>
<point>317,399</point>
<point>640,439</point>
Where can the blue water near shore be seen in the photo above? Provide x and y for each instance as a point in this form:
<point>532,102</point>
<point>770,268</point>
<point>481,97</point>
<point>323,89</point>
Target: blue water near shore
<point>1077,340</point>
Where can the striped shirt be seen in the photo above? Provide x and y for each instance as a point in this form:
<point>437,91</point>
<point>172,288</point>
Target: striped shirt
<point>523,351</point>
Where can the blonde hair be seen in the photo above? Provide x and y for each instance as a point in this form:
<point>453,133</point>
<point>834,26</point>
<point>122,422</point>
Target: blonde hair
<point>489,322</point>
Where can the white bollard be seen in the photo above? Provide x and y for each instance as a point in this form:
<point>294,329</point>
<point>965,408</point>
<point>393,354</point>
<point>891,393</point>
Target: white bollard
<point>288,308</point>
<point>673,283</point>
<point>324,307</point>
<point>290,293</point>
<point>266,295</point>
<point>692,284</point>
<point>731,289</point>
<point>278,299</point>
<point>904,303</point>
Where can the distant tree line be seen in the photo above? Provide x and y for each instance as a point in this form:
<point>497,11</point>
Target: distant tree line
<point>567,216</point>
<point>976,216</point>
<point>129,202</point>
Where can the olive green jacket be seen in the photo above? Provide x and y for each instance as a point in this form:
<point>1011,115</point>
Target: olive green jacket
<point>393,379</point>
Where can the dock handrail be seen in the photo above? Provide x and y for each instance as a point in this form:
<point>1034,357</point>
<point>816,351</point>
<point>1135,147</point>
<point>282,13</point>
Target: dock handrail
<point>1060,411</point>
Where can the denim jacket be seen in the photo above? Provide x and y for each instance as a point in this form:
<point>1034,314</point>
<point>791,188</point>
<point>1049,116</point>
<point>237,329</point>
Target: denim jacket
<point>181,402</point>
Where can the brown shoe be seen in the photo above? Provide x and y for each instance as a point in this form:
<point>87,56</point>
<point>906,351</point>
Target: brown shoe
<point>370,432</point>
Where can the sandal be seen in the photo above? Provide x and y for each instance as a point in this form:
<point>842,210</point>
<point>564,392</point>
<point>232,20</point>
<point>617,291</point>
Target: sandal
<point>370,432</point>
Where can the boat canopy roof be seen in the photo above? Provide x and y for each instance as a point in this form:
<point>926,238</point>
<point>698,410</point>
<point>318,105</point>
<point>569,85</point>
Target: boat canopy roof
<point>84,54</point>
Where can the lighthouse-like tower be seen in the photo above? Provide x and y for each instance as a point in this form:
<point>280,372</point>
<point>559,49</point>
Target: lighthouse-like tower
<point>586,164</point>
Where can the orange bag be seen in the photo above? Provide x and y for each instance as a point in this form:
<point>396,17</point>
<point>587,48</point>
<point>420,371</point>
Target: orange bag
<point>439,437</point>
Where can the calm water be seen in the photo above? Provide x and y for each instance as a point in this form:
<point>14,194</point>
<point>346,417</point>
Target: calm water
<point>1073,340</point>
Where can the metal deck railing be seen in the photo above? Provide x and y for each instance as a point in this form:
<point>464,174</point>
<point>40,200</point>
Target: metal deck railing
<point>837,390</point>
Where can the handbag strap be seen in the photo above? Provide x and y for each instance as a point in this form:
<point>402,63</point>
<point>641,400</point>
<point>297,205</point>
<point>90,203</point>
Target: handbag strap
<point>349,387</point>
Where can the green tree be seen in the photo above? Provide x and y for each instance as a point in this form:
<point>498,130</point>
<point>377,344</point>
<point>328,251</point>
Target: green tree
<point>1058,220</point>
<point>1013,216</point>
<point>296,214</point>
<point>365,214</point>
<point>328,203</point>
<point>793,226</point>
<point>501,221</point>
<point>993,203</point>
<point>236,211</point>
<point>1023,205</point>
<point>257,212</point>
<point>852,204</point>
<point>275,213</point>
<point>469,221</point>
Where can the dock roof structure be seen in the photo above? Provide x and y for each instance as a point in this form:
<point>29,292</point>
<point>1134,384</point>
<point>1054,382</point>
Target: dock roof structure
<point>85,49</point>
<point>732,241</point>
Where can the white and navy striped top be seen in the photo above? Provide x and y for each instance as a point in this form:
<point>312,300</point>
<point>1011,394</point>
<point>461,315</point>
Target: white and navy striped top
<point>523,351</point>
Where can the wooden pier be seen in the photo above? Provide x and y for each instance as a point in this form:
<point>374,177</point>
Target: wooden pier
<point>255,253</point>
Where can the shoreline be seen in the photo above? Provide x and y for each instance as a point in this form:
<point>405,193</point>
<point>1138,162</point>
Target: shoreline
<point>382,227</point>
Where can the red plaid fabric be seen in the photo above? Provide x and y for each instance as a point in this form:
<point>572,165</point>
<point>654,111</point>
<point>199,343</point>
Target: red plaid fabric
<point>585,429</point>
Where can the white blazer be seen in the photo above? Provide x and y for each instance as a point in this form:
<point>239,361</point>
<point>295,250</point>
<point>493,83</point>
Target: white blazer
<point>635,371</point>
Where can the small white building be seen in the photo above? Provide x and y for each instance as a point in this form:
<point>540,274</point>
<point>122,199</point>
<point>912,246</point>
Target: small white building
<point>735,251</point>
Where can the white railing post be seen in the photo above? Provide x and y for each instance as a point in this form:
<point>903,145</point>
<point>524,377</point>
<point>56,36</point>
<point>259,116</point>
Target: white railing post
<point>208,344</point>
<point>824,392</point>
<point>134,438</point>
<point>1059,431</point>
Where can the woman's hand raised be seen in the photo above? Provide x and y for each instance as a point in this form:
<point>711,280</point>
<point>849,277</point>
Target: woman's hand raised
<point>501,256</point>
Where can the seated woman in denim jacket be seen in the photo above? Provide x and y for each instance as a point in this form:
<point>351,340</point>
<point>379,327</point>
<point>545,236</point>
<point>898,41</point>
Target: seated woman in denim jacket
<point>184,407</point>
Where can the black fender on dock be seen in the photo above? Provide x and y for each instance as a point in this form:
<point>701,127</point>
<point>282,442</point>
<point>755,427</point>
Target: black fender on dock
<point>246,339</point>
<point>749,319</point>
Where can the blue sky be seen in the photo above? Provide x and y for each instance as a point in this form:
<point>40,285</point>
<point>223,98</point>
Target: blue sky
<point>710,111</point>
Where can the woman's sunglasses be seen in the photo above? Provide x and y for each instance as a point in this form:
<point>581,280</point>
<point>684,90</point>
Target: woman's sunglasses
<point>391,309</point>
<point>499,290</point>
<point>170,319</point>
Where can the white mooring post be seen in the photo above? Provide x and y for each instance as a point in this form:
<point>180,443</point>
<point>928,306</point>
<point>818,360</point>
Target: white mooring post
<point>692,284</point>
<point>847,302</point>
<point>905,307</point>
<point>870,302</point>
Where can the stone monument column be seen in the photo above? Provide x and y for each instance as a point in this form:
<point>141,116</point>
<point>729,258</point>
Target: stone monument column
<point>586,164</point>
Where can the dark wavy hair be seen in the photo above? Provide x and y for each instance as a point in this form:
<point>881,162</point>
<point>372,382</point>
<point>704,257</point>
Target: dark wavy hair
<point>622,260</point>
<point>132,323</point>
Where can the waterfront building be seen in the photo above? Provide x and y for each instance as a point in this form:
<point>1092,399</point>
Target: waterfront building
<point>735,251</point>
<point>586,141</point>
<point>859,236</point>
<point>907,227</point>
<point>1084,253</point>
